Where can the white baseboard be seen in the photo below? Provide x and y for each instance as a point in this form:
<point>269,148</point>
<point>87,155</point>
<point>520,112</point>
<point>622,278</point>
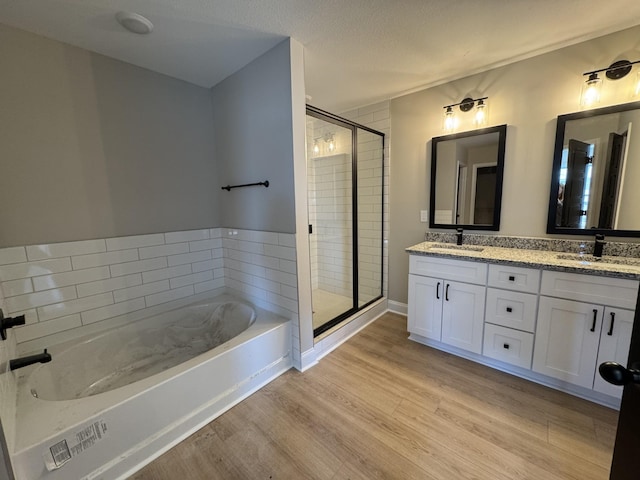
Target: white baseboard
<point>397,307</point>
<point>308,360</point>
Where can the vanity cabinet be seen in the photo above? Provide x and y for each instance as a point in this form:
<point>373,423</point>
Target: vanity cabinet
<point>570,336</point>
<point>551,327</point>
<point>443,308</point>
<point>510,315</point>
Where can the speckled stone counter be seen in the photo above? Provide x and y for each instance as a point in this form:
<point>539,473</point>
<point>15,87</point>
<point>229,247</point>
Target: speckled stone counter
<point>565,261</point>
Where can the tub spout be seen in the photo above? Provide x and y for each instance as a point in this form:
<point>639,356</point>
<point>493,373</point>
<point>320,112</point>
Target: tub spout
<point>30,360</point>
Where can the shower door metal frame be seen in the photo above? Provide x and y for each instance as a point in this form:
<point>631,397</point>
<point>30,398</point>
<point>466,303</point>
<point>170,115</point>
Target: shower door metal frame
<point>353,127</point>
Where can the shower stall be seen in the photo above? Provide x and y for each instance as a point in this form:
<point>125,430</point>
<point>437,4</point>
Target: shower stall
<point>345,175</point>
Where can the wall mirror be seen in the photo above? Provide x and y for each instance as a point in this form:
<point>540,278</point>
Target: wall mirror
<point>595,187</point>
<point>466,179</point>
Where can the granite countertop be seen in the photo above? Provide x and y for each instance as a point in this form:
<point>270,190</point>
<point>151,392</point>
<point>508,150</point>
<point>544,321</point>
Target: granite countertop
<point>609,266</point>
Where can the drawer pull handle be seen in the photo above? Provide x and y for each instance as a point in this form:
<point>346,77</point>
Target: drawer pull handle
<point>438,291</point>
<point>509,309</point>
<point>506,345</point>
<point>512,278</point>
<point>446,293</point>
<point>593,325</point>
<point>613,319</point>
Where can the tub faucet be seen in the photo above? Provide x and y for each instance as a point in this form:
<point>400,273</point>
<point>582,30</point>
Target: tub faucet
<point>8,322</point>
<point>599,245</point>
<point>31,359</point>
<point>458,236</point>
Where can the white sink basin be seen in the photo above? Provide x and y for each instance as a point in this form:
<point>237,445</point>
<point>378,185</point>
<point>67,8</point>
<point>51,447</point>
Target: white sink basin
<point>447,248</point>
<point>587,258</point>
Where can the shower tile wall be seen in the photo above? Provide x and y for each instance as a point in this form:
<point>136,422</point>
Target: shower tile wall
<point>376,116</point>
<point>329,185</point>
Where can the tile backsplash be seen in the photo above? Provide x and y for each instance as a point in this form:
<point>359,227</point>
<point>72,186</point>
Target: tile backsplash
<point>70,285</point>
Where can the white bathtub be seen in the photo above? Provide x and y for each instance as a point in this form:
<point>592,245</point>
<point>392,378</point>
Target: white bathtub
<point>107,405</point>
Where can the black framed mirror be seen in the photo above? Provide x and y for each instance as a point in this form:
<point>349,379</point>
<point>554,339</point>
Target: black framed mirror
<point>595,186</point>
<point>466,179</point>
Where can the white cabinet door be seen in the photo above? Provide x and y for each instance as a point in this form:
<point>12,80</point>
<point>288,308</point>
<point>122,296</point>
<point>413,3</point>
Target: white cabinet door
<point>566,342</point>
<point>614,345</point>
<point>425,306</point>
<point>463,315</point>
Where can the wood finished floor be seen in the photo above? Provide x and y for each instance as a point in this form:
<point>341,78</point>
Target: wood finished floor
<point>384,407</point>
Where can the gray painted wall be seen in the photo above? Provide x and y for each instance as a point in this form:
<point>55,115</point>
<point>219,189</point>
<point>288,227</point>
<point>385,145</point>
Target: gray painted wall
<point>254,142</point>
<point>91,147</point>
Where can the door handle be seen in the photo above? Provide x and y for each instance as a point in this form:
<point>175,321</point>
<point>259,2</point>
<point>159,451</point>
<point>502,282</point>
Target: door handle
<point>613,319</point>
<point>438,291</point>
<point>616,374</point>
<point>446,293</point>
<point>595,316</point>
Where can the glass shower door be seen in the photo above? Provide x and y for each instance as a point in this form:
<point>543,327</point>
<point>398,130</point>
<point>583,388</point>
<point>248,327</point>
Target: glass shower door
<point>330,179</point>
<point>345,174</point>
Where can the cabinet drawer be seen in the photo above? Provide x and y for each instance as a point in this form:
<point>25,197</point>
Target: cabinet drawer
<point>617,292</point>
<point>447,269</point>
<point>507,345</point>
<point>514,278</point>
<point>511,309</point>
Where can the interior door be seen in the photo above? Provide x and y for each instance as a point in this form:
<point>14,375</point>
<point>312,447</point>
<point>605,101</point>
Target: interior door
<point>627,447</point>
<point>574,188</point>
<point>611,180</point>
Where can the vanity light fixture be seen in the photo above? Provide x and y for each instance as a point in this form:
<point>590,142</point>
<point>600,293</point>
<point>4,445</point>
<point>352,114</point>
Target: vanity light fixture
<point>480,118</point>
<point>593,84</point>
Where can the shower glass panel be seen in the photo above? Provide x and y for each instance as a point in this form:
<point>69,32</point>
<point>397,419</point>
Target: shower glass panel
<point>345,185</point>
<point>329,174</point>
<point>369,207</point>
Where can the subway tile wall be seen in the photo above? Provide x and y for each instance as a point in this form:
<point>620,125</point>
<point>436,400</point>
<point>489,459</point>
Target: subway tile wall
<point>65,286</point>
<point>68,285</point>
<point>262,266</point>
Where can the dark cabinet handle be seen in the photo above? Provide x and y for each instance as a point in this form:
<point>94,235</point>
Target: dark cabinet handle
<point>512,278</point>
<point>509,309</point>
<point>593,325</point>
<point>438,291</point>
<point>506,345</point>
<point>613,319</point>
<point>446,293</point>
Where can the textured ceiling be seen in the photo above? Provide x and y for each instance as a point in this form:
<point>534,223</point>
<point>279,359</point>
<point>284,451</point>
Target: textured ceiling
<point>356,51</point>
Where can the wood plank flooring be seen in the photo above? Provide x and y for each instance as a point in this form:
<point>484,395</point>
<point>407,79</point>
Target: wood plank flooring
<point>384,407</point>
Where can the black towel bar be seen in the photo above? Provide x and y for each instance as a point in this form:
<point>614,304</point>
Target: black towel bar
<point>229,187</point>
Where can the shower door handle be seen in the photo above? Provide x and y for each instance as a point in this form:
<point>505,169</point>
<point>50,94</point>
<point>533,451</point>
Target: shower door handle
<point>310,229</point>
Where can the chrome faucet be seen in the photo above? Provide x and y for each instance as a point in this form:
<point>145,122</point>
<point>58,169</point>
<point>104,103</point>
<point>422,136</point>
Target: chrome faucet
<point>30,360</point>
<point>458,236</point>
<point>599,245</point>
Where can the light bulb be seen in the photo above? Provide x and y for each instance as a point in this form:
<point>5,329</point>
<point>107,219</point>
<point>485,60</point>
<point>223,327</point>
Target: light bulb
<point>480,118</point>
<point>636,90</point>
<point>332,145</point>
<point>591,91</point>
<point>450,120</point>
<point>316,147</point>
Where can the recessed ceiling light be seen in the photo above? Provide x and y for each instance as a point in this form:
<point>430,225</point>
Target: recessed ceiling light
<point>134,22</point>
